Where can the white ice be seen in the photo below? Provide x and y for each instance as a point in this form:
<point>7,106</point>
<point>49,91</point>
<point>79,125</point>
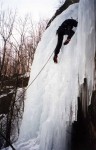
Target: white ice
<point>51,101</point>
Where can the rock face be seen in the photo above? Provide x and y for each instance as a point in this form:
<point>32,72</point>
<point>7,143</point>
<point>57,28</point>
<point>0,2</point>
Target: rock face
<point>84,129</point>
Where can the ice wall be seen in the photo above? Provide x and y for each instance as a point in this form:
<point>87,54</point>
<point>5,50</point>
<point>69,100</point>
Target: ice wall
<point>51,101</point>
<point>86,41</point>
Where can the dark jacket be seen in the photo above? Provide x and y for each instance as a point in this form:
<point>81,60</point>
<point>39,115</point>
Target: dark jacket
<point>67,25</point>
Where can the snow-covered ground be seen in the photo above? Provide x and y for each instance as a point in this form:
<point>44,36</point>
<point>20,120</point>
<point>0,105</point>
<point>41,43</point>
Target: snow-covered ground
<point>51,101</point>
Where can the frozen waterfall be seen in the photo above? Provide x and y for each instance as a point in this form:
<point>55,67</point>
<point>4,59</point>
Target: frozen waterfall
<point>51,101</point>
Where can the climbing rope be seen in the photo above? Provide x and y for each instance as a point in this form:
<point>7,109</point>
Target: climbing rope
<point>35,77</point>
<point>24,92</point>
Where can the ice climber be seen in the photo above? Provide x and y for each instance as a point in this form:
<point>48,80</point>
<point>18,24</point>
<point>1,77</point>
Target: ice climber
<point>65,29</point>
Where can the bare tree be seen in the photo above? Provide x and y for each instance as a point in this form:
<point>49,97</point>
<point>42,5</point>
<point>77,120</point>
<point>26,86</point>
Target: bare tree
<point>16,57</point>
<point>6,27</point>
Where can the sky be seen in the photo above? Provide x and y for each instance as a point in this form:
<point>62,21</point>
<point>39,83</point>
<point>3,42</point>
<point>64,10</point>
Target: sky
<point>37,8</point>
